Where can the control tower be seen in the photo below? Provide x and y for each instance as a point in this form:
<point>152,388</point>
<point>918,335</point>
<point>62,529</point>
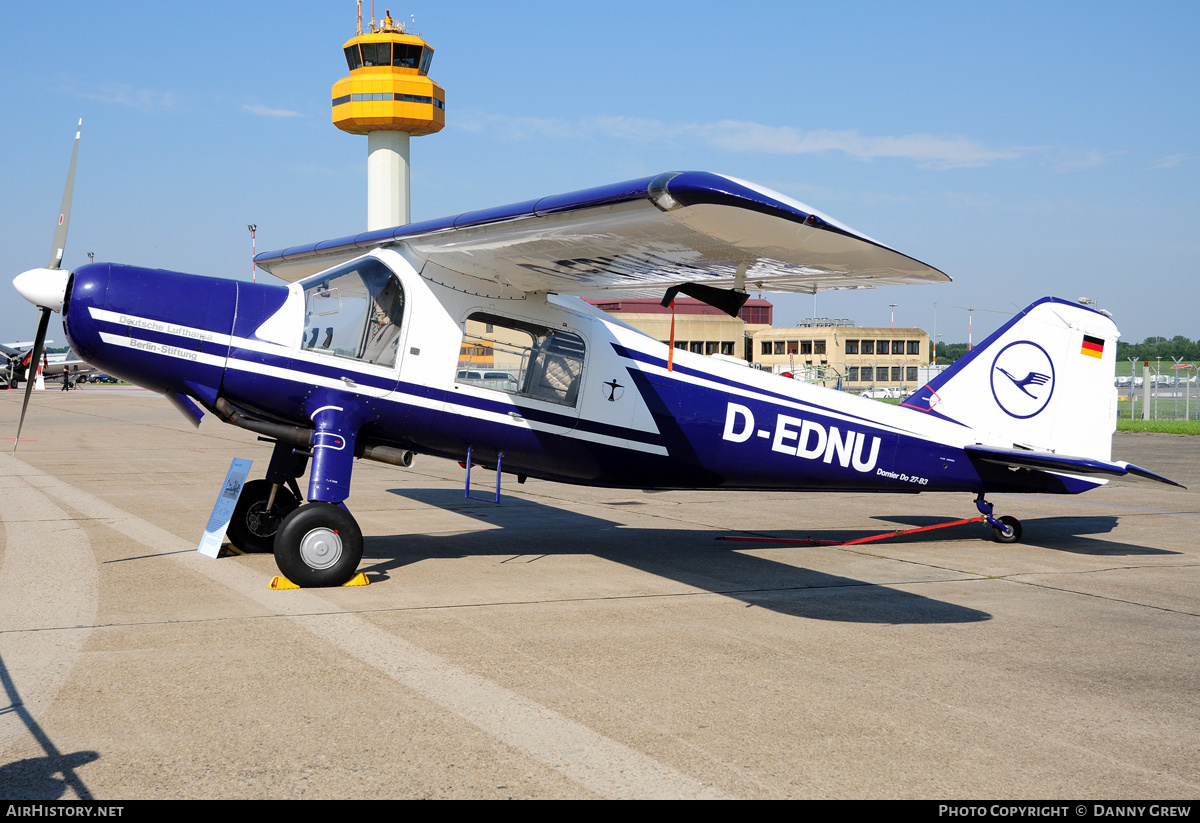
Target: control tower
<point>390,98</point>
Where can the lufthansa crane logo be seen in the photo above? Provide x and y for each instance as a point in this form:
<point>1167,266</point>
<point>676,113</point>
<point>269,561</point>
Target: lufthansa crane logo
<point>1022,379</point>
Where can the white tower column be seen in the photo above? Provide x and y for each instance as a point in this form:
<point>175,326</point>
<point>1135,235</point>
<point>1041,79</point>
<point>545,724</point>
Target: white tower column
<point>387,179</point>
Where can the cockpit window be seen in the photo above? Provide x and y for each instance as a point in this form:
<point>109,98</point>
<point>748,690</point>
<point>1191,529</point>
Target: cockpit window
<point>354,311</point>
<point>522,358</point>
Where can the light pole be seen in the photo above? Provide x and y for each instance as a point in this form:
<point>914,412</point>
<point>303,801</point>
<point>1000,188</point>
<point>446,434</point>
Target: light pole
<point>1132,387</point>
<point>1157,380</point>
<point>935,334</point>
<point>893,305</point>
<point>1187,395</point>
<point>970,310</point>
<point>253,252</point>
<point>1175,384</point>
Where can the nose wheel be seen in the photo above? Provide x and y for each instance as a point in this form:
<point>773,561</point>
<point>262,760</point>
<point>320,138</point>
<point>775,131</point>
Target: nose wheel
<point>318,545</point>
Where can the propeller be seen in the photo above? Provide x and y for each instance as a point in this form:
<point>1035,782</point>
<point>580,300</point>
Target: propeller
<point>46,288</point>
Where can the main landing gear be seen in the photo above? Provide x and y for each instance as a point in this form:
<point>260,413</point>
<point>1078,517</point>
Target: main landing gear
<point>315,544</point>
<point>318,545</point>
<point>256,517</point>
<point>1004,529</point>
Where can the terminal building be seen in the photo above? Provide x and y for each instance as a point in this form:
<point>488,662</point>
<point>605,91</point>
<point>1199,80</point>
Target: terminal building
<point>861,357</point>
<point>831,352</point>
<point>699,327</point>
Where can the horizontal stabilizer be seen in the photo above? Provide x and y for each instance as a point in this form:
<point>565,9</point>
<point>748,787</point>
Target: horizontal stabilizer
<point>1045,461</point>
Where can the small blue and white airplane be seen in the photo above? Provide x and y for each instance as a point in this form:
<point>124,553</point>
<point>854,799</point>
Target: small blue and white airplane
<point>466,338</point>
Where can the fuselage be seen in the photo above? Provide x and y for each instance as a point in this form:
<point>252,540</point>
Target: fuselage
<point>549,386</point>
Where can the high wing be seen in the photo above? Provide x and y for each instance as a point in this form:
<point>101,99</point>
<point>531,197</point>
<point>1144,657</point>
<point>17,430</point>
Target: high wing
<point>635,238</point>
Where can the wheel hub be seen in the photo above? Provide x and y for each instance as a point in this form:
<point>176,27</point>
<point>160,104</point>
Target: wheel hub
<point>321,548</point>
<point>260,521</point>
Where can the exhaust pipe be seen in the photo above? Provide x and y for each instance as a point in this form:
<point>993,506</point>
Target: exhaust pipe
<point>279,431</point>
<point>387,454</point>
<point>303,437</point>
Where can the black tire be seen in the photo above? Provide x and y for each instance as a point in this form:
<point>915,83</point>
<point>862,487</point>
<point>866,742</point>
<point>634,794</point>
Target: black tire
<point>252,529</point>
<point>318,545</point>
<point>1013,535</point>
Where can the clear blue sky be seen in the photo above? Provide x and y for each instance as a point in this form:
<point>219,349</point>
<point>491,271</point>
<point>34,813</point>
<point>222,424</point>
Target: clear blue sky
<point>1024,148</point>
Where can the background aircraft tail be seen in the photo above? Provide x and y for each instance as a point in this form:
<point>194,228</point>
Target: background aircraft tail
<point>1043,381</point>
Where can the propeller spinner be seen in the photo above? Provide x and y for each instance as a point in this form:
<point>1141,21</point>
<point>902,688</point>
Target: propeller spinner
<point>46,288</point>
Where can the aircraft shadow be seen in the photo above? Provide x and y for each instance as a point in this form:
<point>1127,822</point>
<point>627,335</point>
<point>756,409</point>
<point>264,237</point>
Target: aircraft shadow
<point>39,778</point>
<point>1065,534</point>
<point>692,557</point>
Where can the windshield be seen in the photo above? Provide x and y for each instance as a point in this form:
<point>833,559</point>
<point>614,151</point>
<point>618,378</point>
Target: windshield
<point>354,311</point>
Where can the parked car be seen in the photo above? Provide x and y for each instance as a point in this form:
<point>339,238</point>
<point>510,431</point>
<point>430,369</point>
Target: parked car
<point>884,393</point>
<point>488,379</point>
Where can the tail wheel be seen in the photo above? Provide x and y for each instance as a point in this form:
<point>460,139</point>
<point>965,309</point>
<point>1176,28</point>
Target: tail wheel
<point>252,528</point>
<point>318,545</point>
<point>1011,533</point>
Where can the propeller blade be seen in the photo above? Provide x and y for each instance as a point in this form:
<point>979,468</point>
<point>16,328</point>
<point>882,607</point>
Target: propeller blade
<point>45,287</point>
<point>64,213</point>
<point>31,372</point>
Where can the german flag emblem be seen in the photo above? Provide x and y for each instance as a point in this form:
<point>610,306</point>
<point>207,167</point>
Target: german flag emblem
<point>1092,346</point>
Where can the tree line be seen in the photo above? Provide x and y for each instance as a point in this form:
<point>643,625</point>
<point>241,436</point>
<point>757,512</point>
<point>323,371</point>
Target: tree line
<point>1152,348</point>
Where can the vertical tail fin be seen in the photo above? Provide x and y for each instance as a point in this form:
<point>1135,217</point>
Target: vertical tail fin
<point>1042,381</point>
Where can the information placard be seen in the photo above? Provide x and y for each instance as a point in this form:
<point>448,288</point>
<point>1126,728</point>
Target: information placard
<point>231,490</point>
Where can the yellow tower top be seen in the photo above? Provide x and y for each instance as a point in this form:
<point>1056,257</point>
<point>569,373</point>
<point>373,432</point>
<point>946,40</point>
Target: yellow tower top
<point>389,87</point>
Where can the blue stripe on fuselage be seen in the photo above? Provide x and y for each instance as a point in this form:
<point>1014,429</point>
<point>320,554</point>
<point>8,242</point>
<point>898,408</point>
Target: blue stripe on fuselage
<point>737,435</point>
<point>536,415</point>
<point>735,440</point>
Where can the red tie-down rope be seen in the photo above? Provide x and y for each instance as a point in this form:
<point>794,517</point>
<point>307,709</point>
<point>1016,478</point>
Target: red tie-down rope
<point>808,541</point>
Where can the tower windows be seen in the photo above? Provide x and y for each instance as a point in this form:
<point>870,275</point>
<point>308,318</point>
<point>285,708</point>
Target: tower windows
<point>397,55</point>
